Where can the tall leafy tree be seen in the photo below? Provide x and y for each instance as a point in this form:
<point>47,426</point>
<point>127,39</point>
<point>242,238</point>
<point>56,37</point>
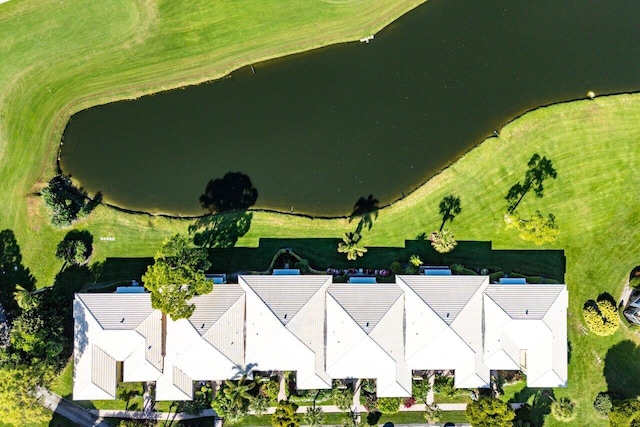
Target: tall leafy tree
<point>176,276</point>
<point>536,229</point>
<point>490,412</point>
<point>19,402</point>
<point>625,414</point>
<point>351,246</point>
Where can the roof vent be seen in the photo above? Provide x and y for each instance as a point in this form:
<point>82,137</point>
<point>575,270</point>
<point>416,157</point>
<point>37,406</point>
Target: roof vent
<point>526,311</point>
<point>367,324</point>
<point>447,314</point>
<point>202,327</point>
<point>285,316</point>
<point>122,321</point>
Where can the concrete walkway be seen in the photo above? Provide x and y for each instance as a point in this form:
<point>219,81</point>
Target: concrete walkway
<point>69,410</point>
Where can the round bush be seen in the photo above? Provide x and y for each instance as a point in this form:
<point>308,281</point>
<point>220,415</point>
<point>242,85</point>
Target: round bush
<point>563,410</point>
<point>389,405</point>
<point>601,317</point>
<point>634,282</point>
<point>602,404</point>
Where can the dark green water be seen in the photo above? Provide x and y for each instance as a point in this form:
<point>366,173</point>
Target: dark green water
<point>318,130</point>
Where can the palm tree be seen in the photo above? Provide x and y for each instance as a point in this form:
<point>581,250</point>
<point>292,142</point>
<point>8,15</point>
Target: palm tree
<point>350,245</point>
<point>314,416</point>
<point>367,210</point>
<point>443,241</point>
<point>238,392</point>
<point>449,208</point>
<point>24,298</point>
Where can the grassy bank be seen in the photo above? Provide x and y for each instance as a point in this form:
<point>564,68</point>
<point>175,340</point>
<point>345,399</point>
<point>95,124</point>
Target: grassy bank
<point>62,57</point>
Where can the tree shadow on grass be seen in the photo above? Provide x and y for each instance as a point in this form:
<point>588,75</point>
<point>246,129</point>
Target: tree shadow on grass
<point>367,209</point>
<point>622,370</point>
<point>221,230</point>
<point>12,272</point>
<point>539,401</point>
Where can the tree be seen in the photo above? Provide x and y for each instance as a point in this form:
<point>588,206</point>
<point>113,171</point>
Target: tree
<point>314,416</point>
<point>536,229</point>
<point>539,168</point>
<point>625,414</point>
<point>432,413</point>
<point>342,398</point>
<point>24,298</point>
<point>72,251</point>
<point>259,404</point>
<point>351,246</point>
<point>238,392</point>
<point>66,203</point>
<point>232,192</point>
<point>443,241</point>
<point>176,276</point>
<point>178,251</point>
<point>601,316</point>
<point>420,390</point>
<point>449,208</point>
<point>563,409</point>
<point>602,404</point>
<point>172,288</point>
<point>232,401</point>
<point>19,403</point>
<point>389,405</point>
<point>285,415</point>
<point>367,210</point>
<point>490,412</point>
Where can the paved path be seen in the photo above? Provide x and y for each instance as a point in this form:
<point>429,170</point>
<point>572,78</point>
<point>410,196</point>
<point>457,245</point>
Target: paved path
<point>70,410</point>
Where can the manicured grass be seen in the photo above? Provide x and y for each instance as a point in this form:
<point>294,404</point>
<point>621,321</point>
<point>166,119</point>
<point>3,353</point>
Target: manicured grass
<point>60,57</point>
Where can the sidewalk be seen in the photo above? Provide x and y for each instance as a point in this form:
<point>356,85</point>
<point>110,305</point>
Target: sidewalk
<point>69,410</point>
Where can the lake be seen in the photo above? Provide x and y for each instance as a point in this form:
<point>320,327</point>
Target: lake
<point>316,131</point>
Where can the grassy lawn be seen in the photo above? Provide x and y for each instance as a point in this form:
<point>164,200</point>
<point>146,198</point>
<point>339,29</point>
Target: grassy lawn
<point>61,57</point>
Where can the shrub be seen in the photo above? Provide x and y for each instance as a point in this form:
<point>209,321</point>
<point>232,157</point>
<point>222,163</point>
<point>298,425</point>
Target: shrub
<point>285,415</point>
<point>270,389</point>
<point>389,405</point>
<point>601,317</point>
<point>409,402</point>
<point>420,390</point>
<point>445,386</point>
<point>634,282</point>
<point>563,410</point>
<point>396,268</point>
<point>602,404</point>
<point>494,277</point>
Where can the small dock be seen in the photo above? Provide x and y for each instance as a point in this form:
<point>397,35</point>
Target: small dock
<point>366,39</point>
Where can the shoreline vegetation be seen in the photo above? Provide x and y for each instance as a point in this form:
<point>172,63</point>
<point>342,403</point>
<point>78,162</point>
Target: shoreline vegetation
<point>91,53</point>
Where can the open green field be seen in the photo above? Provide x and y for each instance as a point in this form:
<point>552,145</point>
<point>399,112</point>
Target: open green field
<point>60,57</point>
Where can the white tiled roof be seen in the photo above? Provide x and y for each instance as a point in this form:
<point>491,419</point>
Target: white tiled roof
<point>284,317</point>
<point>446,295</point>
<point>366,303</point>
<point>526,326</point>
<point>324,331</point>
<point>365,336</point>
